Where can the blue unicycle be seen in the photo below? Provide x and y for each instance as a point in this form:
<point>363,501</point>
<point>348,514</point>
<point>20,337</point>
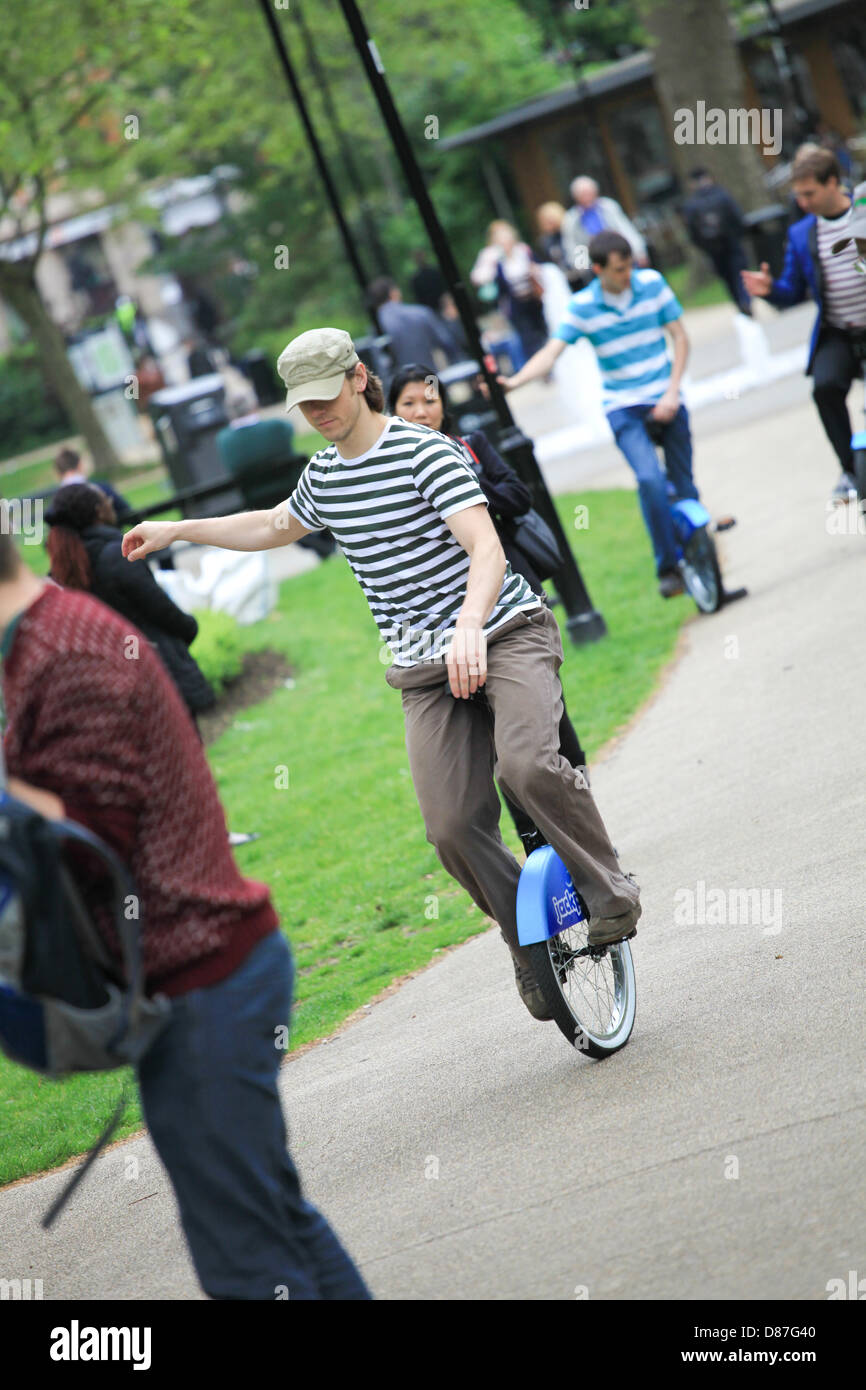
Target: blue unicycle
<point>590,991</point>
<point>698,560</point>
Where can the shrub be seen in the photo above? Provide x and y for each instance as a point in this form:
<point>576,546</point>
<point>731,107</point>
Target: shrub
<point>29,417</point>
<point>218,647</point>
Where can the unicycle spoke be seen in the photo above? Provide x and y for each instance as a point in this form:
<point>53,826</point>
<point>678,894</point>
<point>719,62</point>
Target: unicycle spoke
<point>589,990</point>
<point>592,982</point>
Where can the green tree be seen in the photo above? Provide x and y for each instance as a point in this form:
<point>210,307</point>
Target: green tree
<point>102,102</point>
<point>696,59</point>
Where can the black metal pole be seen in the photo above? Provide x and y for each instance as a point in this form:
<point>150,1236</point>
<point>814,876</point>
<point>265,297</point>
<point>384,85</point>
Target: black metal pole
<point>324,172</point>
<point>584,623</point>
<point>347,159</point>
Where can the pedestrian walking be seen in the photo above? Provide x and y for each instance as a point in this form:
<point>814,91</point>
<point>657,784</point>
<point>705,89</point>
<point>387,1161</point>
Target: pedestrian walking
<point>715,225</point>
<point>416,332</point>
<point>104,740</point>
<point>508,263</point>
<point>589,215</point>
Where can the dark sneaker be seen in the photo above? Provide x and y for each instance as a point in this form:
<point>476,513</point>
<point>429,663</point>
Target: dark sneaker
<point>527,985</point>
<point>607,931</point>
<point>845,490</point>
<point>671,584</point>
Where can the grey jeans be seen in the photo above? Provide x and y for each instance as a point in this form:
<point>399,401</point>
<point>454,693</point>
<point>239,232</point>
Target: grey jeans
<point>454,754</point>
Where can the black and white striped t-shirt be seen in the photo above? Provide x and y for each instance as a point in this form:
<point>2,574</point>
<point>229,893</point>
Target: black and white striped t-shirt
<point>844,287</point>
<point>387,510</point>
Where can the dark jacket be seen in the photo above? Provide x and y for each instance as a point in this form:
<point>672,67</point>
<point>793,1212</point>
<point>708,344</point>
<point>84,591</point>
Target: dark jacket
<point>415,333</point>
<point>121,506</point>
<point>131,590</point>
<point>507,497</point>
<point>712,217</point>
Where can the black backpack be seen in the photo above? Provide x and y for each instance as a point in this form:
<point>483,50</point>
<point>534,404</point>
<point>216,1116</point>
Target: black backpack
<point>65,1006</point>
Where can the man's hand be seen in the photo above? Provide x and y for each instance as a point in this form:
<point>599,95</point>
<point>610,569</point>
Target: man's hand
<point>666,408</point>
<point>46,803</point>
<point>507,382</point>
<point>146,537</point>
<point>467,661</point>
<point>758,282</point>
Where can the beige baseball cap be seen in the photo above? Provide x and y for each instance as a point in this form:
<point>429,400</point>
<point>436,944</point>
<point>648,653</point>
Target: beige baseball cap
<point>314,365</point>
<point>857,225</point>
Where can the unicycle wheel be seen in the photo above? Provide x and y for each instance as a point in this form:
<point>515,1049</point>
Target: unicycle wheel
<point>700,570</point>
<point>590,992</point>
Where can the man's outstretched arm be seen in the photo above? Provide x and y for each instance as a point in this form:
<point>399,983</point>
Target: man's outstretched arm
<point>262,530</point>
<point>538,365</point>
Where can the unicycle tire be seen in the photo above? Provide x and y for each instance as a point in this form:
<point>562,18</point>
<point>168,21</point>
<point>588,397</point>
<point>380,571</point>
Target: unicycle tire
<point>701,573</point>
<point>591,996</point>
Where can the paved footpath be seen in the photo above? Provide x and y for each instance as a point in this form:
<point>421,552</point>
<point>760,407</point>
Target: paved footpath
<point>462,1150</point>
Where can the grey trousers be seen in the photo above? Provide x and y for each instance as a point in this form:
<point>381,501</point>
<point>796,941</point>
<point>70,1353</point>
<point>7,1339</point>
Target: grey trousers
<point>454,753</point>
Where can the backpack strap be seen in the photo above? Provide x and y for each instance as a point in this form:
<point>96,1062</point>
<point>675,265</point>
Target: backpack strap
<point>63,1197</point>
<point>469,448</point>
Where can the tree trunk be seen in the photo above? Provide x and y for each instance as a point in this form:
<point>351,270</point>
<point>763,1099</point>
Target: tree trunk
<point>18,288</point>
<point>695,59</point>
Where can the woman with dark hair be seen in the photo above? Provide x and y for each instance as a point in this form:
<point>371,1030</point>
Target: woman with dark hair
<point>416,394</point>
<point>85,549</point>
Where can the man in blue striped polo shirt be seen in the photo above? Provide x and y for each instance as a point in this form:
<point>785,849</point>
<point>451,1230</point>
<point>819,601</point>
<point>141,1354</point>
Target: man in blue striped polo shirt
<point>624,313</point>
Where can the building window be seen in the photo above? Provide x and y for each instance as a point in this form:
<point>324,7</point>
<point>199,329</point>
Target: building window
<point>848,46</point>
<point>576,149</point>
<point>642,147</point>
<point>775,93</point>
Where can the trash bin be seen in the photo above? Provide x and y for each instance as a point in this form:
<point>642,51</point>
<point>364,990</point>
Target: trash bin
<point>187,420</point>
<point>767,229</point>
<point>261,373</point>
<point>263,459</point>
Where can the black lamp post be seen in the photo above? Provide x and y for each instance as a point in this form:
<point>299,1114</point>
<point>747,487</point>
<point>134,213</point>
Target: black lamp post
<point>349,242</point>
<point>584,623</point>
<point>347,159</point>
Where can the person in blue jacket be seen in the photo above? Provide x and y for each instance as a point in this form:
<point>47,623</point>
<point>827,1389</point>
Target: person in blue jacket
<point>416,394</point>
<point>812,270</point>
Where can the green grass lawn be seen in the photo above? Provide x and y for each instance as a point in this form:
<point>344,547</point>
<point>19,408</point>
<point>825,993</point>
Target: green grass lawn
<point>360,892</point>
<point>713,292</point>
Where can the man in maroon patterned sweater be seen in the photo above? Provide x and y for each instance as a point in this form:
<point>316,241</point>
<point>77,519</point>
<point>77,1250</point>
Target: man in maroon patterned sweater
<point>96,731</point>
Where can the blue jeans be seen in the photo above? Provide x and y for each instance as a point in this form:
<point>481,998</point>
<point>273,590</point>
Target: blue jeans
<point>631,436</point>
<point>210,1100</point>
